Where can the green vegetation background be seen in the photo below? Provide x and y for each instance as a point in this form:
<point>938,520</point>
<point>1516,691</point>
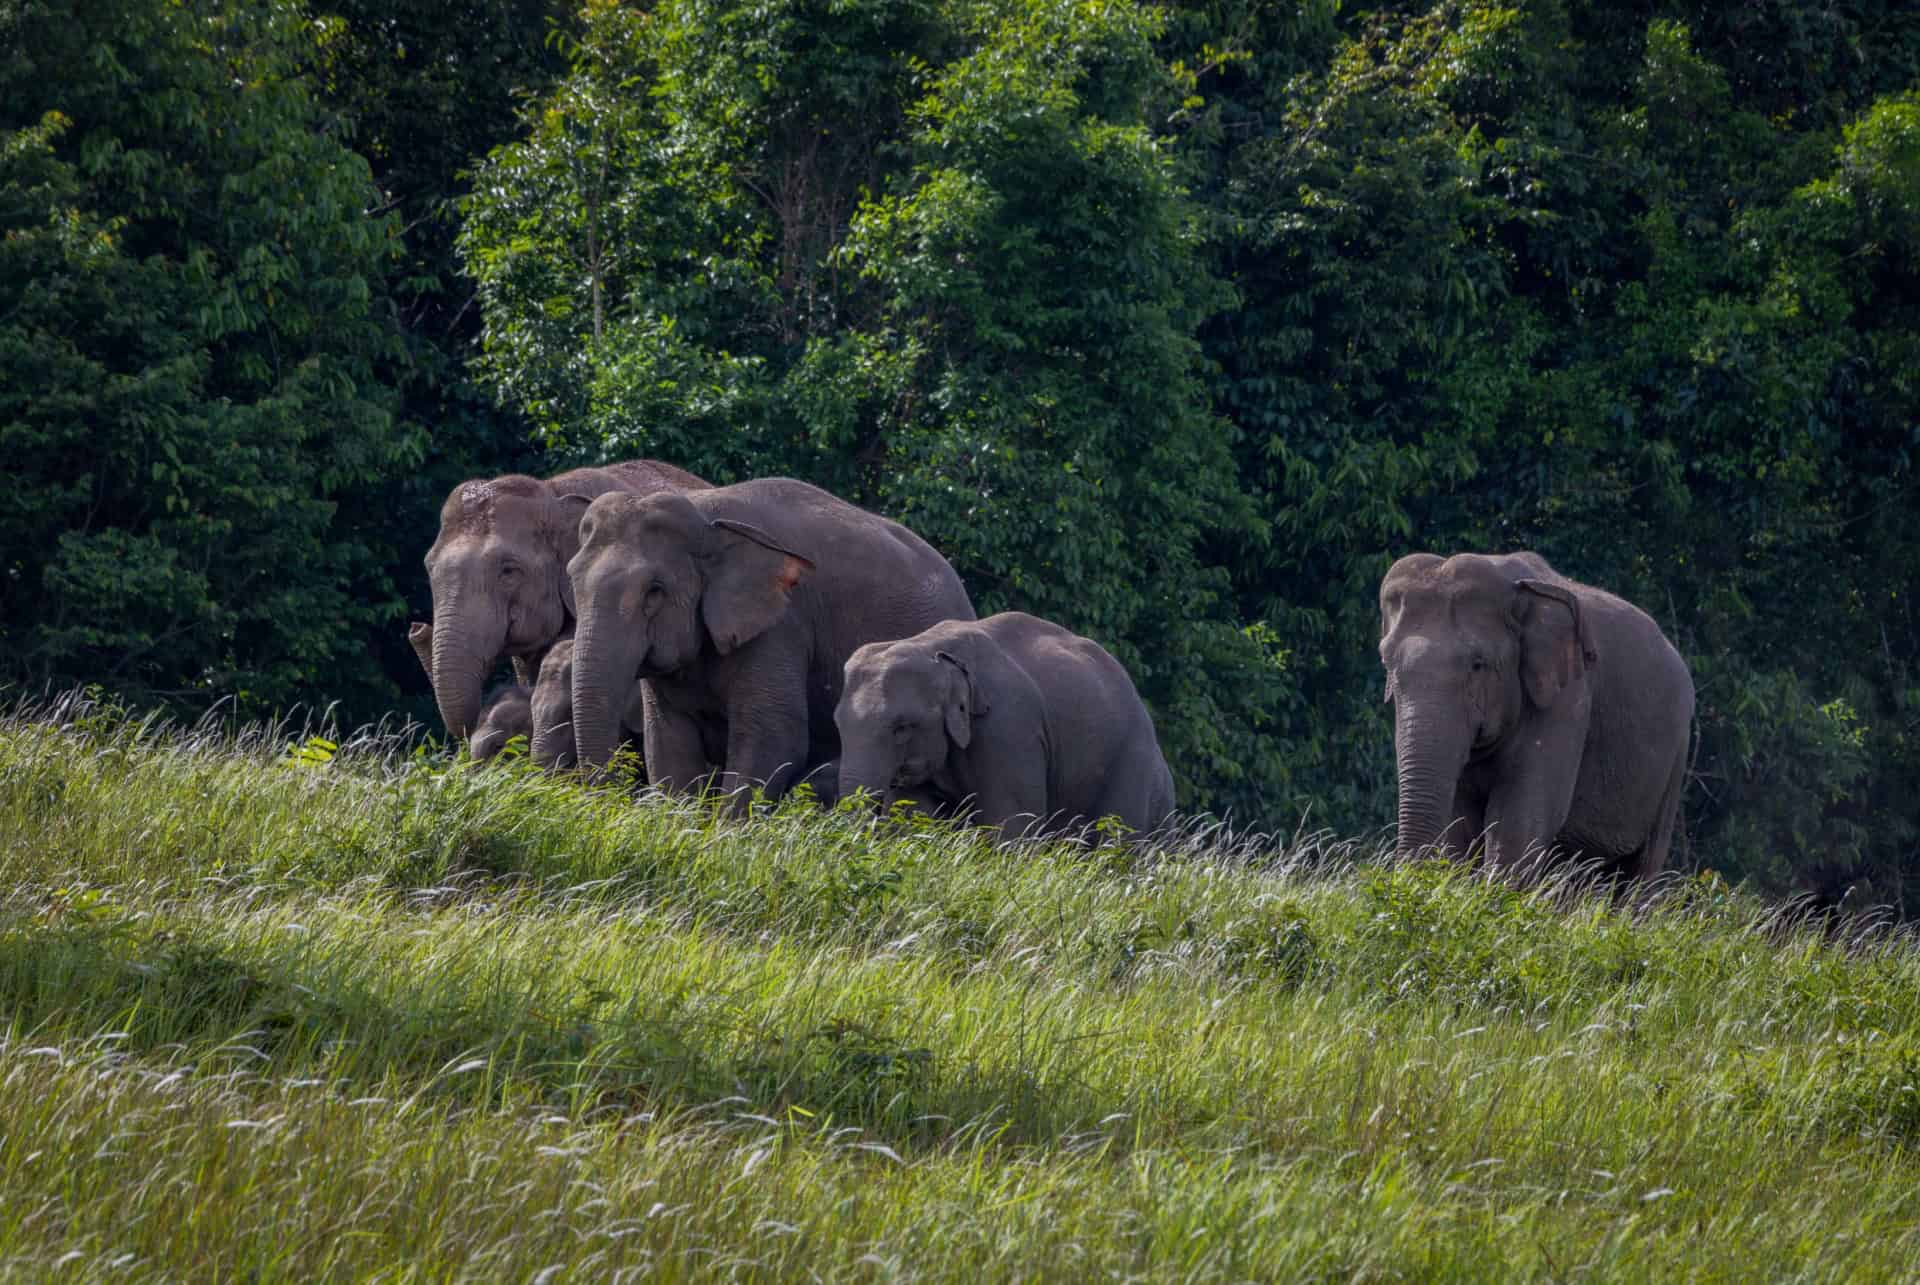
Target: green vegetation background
<point>1176,325</point>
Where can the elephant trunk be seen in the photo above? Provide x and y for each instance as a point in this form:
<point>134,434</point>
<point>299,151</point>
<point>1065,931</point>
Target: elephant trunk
<point>1430,746</point>
<point>420,638</point>
<point>603,676</point>
<point>552,746</point>
<point>864,772</point>
<point>460,669</point>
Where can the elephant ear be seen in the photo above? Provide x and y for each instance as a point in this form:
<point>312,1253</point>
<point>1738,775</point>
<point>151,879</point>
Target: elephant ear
<point>751,580</point>
<point>570,507</point>
<point>1554,649</point>
<point>965,702</point>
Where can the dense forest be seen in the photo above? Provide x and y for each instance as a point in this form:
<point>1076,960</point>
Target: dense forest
<point>1176,325</point>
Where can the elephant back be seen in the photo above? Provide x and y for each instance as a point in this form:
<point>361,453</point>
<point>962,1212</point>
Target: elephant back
<point>876,578</point>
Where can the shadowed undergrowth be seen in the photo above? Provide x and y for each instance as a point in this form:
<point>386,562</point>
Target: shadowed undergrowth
<point>324,1011</point>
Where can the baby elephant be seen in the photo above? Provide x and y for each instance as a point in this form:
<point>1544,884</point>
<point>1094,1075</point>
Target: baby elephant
<point>553,744</point>
<point>1039,730</point>
<point>507,713</point>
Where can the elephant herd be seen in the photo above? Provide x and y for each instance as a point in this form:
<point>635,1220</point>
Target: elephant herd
<point>768,633</point>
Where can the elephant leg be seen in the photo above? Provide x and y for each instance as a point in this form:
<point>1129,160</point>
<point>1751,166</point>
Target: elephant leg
<point>766,747</point>
<point>1001,781</point>
<point>1017,806</point>
<point>1523,818</point>
<point>676,758</point>
<point>1652,857</point>
<point>1135,792</point>
<point>1530,788</point>
<point>1465,831</point>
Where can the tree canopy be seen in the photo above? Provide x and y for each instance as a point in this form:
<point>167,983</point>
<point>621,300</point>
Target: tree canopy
<point>190,357</point>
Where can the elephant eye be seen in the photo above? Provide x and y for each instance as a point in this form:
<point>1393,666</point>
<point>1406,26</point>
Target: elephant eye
<point>1479,663</point>
<point>655,592</point>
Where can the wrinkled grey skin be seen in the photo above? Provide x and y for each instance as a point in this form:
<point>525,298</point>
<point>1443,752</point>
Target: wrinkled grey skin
<point>553,708</point>
<point>1035,729</point>
<point>824,781</point>
<point>508,713</point>
<point>553,744</point>
<point>420,638</point>
<point>1545,712</point>
<point>739,607</point>
<point>498,570</point>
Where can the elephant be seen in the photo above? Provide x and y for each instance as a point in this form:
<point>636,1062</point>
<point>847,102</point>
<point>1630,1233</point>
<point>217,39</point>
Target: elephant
<point>1038,730</point>
<point>824,780</point>
<point>543,714</point>
<point>420,637</point>
<point>1543,713</point>
<point>553,744</point>
<point>498,572</point>
<point>738,607</point>
<point>507,713</point>
<point>553,708</point>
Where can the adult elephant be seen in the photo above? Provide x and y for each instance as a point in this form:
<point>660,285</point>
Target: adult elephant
<point>1543,712</point>
<point>1033,728</point>
<point>739,607</point>
<point>499,574</point>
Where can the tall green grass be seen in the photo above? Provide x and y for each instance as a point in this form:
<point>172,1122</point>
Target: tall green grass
<point>285,1015</point>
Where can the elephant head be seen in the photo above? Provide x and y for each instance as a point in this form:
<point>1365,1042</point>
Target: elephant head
<point>1473,648</point>
<point>658,583</point>
<point>905,710</point>
<point>507,714</point>
<point>498,572</point>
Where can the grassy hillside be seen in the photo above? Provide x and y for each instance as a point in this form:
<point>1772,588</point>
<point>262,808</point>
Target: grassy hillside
<point>315,1017</point>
